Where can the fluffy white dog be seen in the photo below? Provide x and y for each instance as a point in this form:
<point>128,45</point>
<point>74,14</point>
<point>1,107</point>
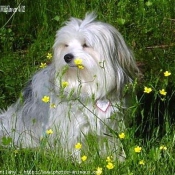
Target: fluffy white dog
<point>79,94</point>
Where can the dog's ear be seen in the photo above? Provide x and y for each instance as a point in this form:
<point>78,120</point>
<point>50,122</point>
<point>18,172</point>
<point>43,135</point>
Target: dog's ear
<point>125,57</point>
<point>127,62</point>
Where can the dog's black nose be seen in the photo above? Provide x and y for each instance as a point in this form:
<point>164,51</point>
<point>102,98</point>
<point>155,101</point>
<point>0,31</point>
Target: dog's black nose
<point>68,58</point>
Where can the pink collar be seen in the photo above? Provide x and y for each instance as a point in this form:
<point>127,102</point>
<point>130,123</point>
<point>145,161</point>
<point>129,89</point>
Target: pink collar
<point>103,105</point>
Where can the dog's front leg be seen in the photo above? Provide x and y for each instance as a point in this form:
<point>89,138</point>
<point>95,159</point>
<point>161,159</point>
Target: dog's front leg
<point>77,140</point>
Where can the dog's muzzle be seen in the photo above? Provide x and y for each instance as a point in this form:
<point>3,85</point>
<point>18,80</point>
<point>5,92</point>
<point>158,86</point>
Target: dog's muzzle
<point>68,58</point>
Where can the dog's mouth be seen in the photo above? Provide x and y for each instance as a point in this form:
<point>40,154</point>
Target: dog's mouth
<point>79,63</point>
<point>74,62</point>
<point>81,67</point>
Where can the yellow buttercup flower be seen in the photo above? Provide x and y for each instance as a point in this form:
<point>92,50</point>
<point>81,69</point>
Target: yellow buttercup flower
<point>16,151</point>
<point>64,84</point>
<point>49,56</point>
<point>162,92</point>
<point>163,147</point>
<point>78,62</point>
<point>98,171</point>
<point>147,90</point>
<point>52,105</point>
<point>43,65</point>
<point>109,159</point>
<point>141,162</point>
<point>110,165</point>
<point>137,149</point>
<point>80,66</point>
<point>122,135</point>
<point>166,73</point>
<point>78,146</point>
<point>84,158</point>
<point>49,131</point>
<point>46,99</point>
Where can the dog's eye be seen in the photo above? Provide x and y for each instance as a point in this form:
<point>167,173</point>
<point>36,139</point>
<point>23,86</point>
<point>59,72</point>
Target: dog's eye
<point>85,45</point>
<point>66,45</point>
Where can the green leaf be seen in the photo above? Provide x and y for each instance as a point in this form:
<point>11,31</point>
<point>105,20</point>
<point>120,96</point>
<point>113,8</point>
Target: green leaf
<point>121,21</point>
<point>6,140</point>
<point>57,18</point>
<point>149,3</point>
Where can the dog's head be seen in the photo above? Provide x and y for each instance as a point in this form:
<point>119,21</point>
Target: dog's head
<point>97,59</point>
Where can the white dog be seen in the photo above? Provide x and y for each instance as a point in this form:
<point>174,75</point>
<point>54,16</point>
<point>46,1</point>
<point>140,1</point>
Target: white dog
<point>83,90</point>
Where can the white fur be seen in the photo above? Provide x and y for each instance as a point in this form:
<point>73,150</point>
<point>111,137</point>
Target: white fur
<point>108,66</point>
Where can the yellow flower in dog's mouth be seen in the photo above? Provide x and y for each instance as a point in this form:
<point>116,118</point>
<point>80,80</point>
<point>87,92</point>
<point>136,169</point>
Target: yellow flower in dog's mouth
<point>80,66</point>
<point>78,63</point>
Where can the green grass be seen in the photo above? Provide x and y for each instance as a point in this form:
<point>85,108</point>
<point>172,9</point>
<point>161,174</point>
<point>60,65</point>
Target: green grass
<point>148,28</point>
<point>41,159</point>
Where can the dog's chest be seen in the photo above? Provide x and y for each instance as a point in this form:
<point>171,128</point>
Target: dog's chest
<point>86,117</point>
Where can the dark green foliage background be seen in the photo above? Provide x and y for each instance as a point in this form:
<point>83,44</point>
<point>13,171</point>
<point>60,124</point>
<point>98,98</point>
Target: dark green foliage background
<point>26,38</point>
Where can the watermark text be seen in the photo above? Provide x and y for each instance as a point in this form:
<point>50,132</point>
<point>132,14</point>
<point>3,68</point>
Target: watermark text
<point>8,9</point>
